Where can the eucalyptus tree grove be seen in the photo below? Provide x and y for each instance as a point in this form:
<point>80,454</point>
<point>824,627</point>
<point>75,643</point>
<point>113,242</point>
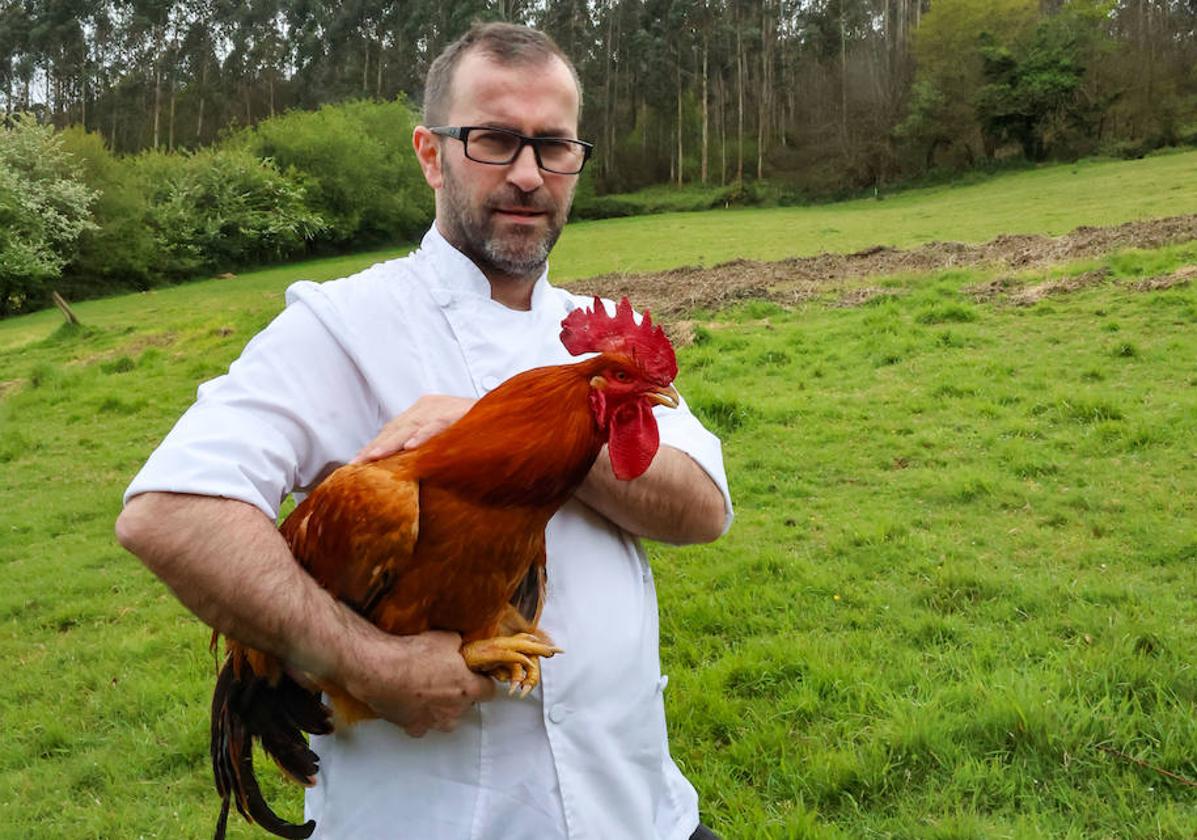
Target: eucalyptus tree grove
<point>824,95</point>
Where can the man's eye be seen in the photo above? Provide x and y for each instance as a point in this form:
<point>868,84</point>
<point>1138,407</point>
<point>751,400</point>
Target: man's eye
<point>492,142</point>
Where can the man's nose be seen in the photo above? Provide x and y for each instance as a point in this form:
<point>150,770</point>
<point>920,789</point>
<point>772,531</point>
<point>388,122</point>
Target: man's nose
<point>523,171</point>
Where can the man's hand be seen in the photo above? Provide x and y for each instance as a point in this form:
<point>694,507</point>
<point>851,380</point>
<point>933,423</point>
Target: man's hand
<point>230,566</point>
<point>427,416</point>
<point>418,682</point>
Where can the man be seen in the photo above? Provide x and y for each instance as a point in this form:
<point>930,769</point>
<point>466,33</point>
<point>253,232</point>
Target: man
<point>584,756</point>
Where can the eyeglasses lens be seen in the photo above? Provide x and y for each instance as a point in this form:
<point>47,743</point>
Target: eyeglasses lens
<point>501,147</point>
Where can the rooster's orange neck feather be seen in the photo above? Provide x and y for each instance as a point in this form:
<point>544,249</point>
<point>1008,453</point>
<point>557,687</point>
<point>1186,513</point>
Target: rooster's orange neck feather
<point>529,442</point>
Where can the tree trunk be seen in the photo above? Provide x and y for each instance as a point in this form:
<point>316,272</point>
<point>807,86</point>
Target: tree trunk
<point>705,115</point>
<point>365,65</point>
<point>158,36</point>
<point>608,104</point>
<point>643,127</point>
<point>679,119</point>
<point>843,74</point>
<point>721,110</point>
<point>112,142</point>
<point>762,131</point>
<point>740,106</point>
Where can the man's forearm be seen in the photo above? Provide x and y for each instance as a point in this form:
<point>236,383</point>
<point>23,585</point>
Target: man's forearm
<point>227,562</point>
<point>675,501</point>
<point>230,566</point>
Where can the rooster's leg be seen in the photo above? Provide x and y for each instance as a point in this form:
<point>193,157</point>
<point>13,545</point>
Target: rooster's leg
<point>514,659</point>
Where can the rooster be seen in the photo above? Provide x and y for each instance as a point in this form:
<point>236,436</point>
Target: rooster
<point>448,536</point>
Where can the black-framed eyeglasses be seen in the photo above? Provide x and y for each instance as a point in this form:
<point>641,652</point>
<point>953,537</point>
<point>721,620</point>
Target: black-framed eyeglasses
<point>499,146</point>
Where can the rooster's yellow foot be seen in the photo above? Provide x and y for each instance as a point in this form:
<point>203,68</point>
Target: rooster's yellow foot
<point>510,659</point>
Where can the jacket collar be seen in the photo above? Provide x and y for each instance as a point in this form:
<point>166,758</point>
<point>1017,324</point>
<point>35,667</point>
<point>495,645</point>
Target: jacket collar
<point>456,274</point>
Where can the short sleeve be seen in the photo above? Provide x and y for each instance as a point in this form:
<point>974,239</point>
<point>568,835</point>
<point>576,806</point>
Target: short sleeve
<point>294,406</point>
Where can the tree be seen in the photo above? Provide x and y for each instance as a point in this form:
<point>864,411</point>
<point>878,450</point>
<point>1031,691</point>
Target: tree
<point>43,209</point>
<point>948,49</point>
<point>1028,86</point>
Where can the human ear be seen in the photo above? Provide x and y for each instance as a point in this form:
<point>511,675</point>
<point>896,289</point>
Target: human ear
<point>428,153</point>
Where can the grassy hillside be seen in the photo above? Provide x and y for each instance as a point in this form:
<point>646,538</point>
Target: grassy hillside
<point>1052,199</point>
<point>956,603</point>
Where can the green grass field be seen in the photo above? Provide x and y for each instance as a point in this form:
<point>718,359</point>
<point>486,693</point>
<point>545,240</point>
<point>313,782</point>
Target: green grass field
<point>963,571</point>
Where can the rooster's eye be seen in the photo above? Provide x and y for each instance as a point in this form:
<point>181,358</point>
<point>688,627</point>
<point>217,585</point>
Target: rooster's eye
<point>621,376</point>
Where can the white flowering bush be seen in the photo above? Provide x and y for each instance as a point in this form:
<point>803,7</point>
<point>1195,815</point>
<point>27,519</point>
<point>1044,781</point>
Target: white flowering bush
<point>44,206</point>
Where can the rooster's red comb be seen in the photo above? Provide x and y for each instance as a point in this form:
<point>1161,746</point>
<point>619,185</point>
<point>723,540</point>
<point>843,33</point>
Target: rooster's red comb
<point>594,331</point>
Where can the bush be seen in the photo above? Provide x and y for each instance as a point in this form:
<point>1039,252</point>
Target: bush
<point>357,166</point>
<point>43,210</point>
<point>120,251</point>
<point>219,209</point>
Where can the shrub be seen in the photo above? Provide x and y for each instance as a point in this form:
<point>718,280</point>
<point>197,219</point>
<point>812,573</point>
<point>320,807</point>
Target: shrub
<point>119,251</point>
<point>221,208</point>
<point>43,210</point>
<point>357,166</point>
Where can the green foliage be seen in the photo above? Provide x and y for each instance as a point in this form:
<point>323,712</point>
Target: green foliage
<point>357,166</point>
<point>120,250</point>
<point>1028,86</point>
<point>942,119</point>
<point>221,208</point>
<point>924,126</point>
<point>43,210</point>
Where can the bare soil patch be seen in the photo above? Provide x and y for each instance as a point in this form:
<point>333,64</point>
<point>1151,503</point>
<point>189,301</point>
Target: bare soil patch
<point>1181,277</point>
<point>164,339</point>
<point>831,277</point>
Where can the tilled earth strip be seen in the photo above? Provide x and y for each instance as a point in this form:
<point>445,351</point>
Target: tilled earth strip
<point>829,277</point>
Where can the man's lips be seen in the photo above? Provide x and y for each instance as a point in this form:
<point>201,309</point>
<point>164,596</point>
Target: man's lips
<point>524,213</point>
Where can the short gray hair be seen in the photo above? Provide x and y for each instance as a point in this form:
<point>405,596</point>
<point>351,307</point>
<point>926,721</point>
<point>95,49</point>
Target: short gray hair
<point>506,43</point>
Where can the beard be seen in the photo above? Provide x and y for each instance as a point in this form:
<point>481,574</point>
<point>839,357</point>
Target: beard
<point>515,251</point>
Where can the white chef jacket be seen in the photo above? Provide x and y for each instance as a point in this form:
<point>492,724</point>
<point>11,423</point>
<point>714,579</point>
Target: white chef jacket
<point>585,755</point>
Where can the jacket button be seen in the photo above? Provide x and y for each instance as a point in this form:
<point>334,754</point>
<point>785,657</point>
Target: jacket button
<point>557,713</point>
<point>490,382</point>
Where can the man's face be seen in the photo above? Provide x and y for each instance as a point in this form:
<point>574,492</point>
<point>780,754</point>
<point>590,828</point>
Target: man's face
<point>507,218</point>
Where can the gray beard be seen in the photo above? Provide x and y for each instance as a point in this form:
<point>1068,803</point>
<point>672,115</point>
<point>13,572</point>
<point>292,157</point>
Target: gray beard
<point>520,254</point>
<point>520,259</point>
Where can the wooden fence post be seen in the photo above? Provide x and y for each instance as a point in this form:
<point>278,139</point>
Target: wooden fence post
<point>65,308</point>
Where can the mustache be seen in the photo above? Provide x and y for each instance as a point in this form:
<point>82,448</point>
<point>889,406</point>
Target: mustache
<point>535,200</point>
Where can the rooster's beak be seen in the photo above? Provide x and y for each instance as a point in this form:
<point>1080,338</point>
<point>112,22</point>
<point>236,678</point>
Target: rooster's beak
<point>666,396</point>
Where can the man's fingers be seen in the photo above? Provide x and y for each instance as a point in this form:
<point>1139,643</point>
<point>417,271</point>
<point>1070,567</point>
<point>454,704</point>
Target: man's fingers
<point>430,415</point>
<point>389,441</point>
<point>426,432</point>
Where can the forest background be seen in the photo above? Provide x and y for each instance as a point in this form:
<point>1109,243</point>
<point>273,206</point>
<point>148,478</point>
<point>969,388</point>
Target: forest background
<point>147,141</point>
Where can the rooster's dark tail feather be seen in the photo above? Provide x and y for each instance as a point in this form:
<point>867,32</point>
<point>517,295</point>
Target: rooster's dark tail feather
<point>246,706</point>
